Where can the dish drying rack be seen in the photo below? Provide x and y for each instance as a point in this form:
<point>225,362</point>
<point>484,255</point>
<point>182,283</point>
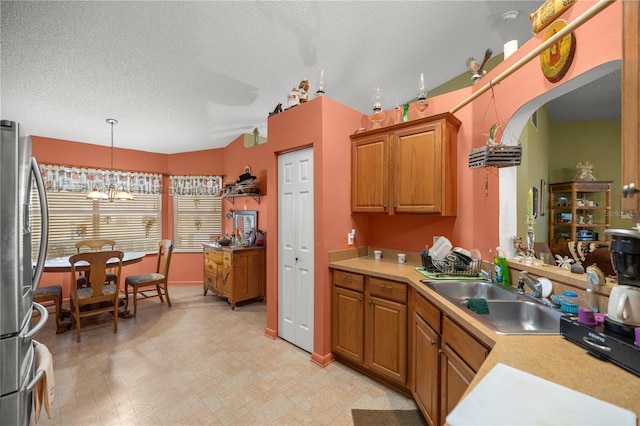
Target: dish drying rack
<point>453,264</point>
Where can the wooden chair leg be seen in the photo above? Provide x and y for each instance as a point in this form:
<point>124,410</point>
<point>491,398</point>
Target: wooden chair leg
<point>159,293</point>
<point>77,320</point>
<point>135,301</point>
<point>58,304</point>
<point>115,315</point>
<point>166,293</point>
<point>126,296</point>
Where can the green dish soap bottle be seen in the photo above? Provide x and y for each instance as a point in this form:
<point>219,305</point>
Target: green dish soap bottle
<point>502,269</point>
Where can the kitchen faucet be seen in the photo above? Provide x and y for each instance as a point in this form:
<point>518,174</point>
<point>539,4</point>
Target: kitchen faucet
<point>532,283</point>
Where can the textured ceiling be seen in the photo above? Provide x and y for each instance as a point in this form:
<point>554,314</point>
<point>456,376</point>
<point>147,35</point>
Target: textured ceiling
<point>186,76</point>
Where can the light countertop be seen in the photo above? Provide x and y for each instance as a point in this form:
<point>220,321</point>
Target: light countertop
<point>550,357</point>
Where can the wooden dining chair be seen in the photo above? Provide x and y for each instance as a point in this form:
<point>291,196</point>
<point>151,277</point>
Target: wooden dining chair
<point>157,281</point>
<point>95,244</point>
<point>98,296</point>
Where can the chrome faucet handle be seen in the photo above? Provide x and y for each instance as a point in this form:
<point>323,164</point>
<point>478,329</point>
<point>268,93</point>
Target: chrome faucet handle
<point>532,283</point>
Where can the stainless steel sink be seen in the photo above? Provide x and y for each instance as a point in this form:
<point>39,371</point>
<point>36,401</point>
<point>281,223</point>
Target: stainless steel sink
<point>520,317</point>
<point>466,289</point>
<point>509,312</point>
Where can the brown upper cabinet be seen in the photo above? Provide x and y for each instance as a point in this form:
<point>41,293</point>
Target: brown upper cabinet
<point>408,167</point>
<point>631,103</point>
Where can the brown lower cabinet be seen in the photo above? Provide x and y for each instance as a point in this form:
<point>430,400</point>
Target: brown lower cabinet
<point>369,325</point>
<point>444,359</point>
<point>388,330</point>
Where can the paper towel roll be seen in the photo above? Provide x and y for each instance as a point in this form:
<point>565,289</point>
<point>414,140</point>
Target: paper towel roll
<point>510,47</point>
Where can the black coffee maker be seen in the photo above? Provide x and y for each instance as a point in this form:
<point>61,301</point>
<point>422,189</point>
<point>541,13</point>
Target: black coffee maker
<point>624,303</point>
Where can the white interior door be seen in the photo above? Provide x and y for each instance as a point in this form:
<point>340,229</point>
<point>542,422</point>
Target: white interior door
<point>295,248</point>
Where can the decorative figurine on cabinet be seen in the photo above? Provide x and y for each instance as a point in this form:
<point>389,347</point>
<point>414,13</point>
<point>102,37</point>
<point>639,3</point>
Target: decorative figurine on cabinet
<point>521,248</point>
<point>303,89</point>
<point>585,171</point>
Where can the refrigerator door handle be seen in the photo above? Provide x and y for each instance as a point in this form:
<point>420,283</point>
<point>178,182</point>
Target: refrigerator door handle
<point>44,214</point>
<point>38,376</point>
<point>44,315</point>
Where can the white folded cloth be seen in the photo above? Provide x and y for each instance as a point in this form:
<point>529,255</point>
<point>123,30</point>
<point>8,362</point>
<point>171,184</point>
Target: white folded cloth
<point>43,393</point>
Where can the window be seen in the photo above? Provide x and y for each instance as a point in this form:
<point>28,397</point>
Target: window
<point>197,210</point>
<point>135,225</point>
<point>196,220</point>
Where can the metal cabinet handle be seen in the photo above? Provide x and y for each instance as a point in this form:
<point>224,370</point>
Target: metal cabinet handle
<point>629,190</point>
<point>346,278</point>
<point>433,342</point>
<point>386,287</point>
<point>359,299</point>
<point>370,302</point>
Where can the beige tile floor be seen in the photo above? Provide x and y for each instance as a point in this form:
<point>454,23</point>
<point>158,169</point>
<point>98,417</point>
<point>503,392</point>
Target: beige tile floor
<point>196,363</point>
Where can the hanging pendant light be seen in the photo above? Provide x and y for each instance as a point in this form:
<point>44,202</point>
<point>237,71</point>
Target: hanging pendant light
<point>113,193</point>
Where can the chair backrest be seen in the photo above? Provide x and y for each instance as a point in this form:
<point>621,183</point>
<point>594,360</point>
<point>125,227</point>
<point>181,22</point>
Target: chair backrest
<point>95,244</point>
<point>97,261</point>
<point>165,248</point>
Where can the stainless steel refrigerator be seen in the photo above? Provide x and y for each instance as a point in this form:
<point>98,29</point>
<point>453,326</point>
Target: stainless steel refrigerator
<point>19,273</point>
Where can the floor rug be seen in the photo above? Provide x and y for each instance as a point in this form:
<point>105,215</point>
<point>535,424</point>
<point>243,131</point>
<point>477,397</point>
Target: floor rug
<point>387,417</point>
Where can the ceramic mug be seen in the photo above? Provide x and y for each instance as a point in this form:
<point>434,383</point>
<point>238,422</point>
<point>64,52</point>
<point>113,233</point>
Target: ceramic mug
<point>377,254</point>
<point>401,257</point>
<point>624,305</point>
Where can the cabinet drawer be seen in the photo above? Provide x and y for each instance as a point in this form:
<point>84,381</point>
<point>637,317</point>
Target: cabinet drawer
<point>227,258</point>
<point>348,280</point>
<point>213,255</point>
<point>465,345</point>
<point>209,280</point>
<point>391,290</point>
<point>209,265</point>
<point>428,312</point>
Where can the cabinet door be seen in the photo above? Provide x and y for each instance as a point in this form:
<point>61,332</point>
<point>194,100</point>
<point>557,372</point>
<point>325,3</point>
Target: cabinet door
<point>454,380</point>
<point>417,185</point>
<point>386,338</point>
<point>241,276</point>
<point>426,369</point>
<point>224,283</point>
<point>256,275</point>
<point>348,324</point>
<point>631,103</point>
<point>370,174</point>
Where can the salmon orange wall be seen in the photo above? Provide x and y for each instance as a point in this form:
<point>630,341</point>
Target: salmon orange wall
<point>599,41</point>
<point>326,125</point>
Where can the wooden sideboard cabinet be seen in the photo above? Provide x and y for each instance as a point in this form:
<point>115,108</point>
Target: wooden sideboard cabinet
<point>236,273</point>
<point>406,168</point>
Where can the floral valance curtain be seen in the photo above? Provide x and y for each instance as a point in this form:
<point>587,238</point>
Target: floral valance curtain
<point>82,179</point>
<point>195,185</point>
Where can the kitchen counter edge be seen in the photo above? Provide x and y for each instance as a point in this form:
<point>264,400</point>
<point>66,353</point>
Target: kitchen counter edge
<point>550,357</point>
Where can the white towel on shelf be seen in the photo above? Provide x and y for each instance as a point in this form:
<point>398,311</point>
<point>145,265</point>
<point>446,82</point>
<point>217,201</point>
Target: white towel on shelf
<point>44,390</point>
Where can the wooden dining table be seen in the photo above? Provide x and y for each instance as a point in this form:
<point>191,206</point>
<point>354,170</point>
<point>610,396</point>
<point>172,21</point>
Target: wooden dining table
<point>62,264</point>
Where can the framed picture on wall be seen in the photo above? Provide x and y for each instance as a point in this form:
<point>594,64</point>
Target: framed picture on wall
<point>542,197</point>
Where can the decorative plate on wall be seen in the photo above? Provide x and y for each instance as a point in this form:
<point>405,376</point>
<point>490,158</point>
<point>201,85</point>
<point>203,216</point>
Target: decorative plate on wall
<point>556,60</point>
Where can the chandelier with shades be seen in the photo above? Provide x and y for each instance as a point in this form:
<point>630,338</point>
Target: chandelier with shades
<point>113,193</point>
